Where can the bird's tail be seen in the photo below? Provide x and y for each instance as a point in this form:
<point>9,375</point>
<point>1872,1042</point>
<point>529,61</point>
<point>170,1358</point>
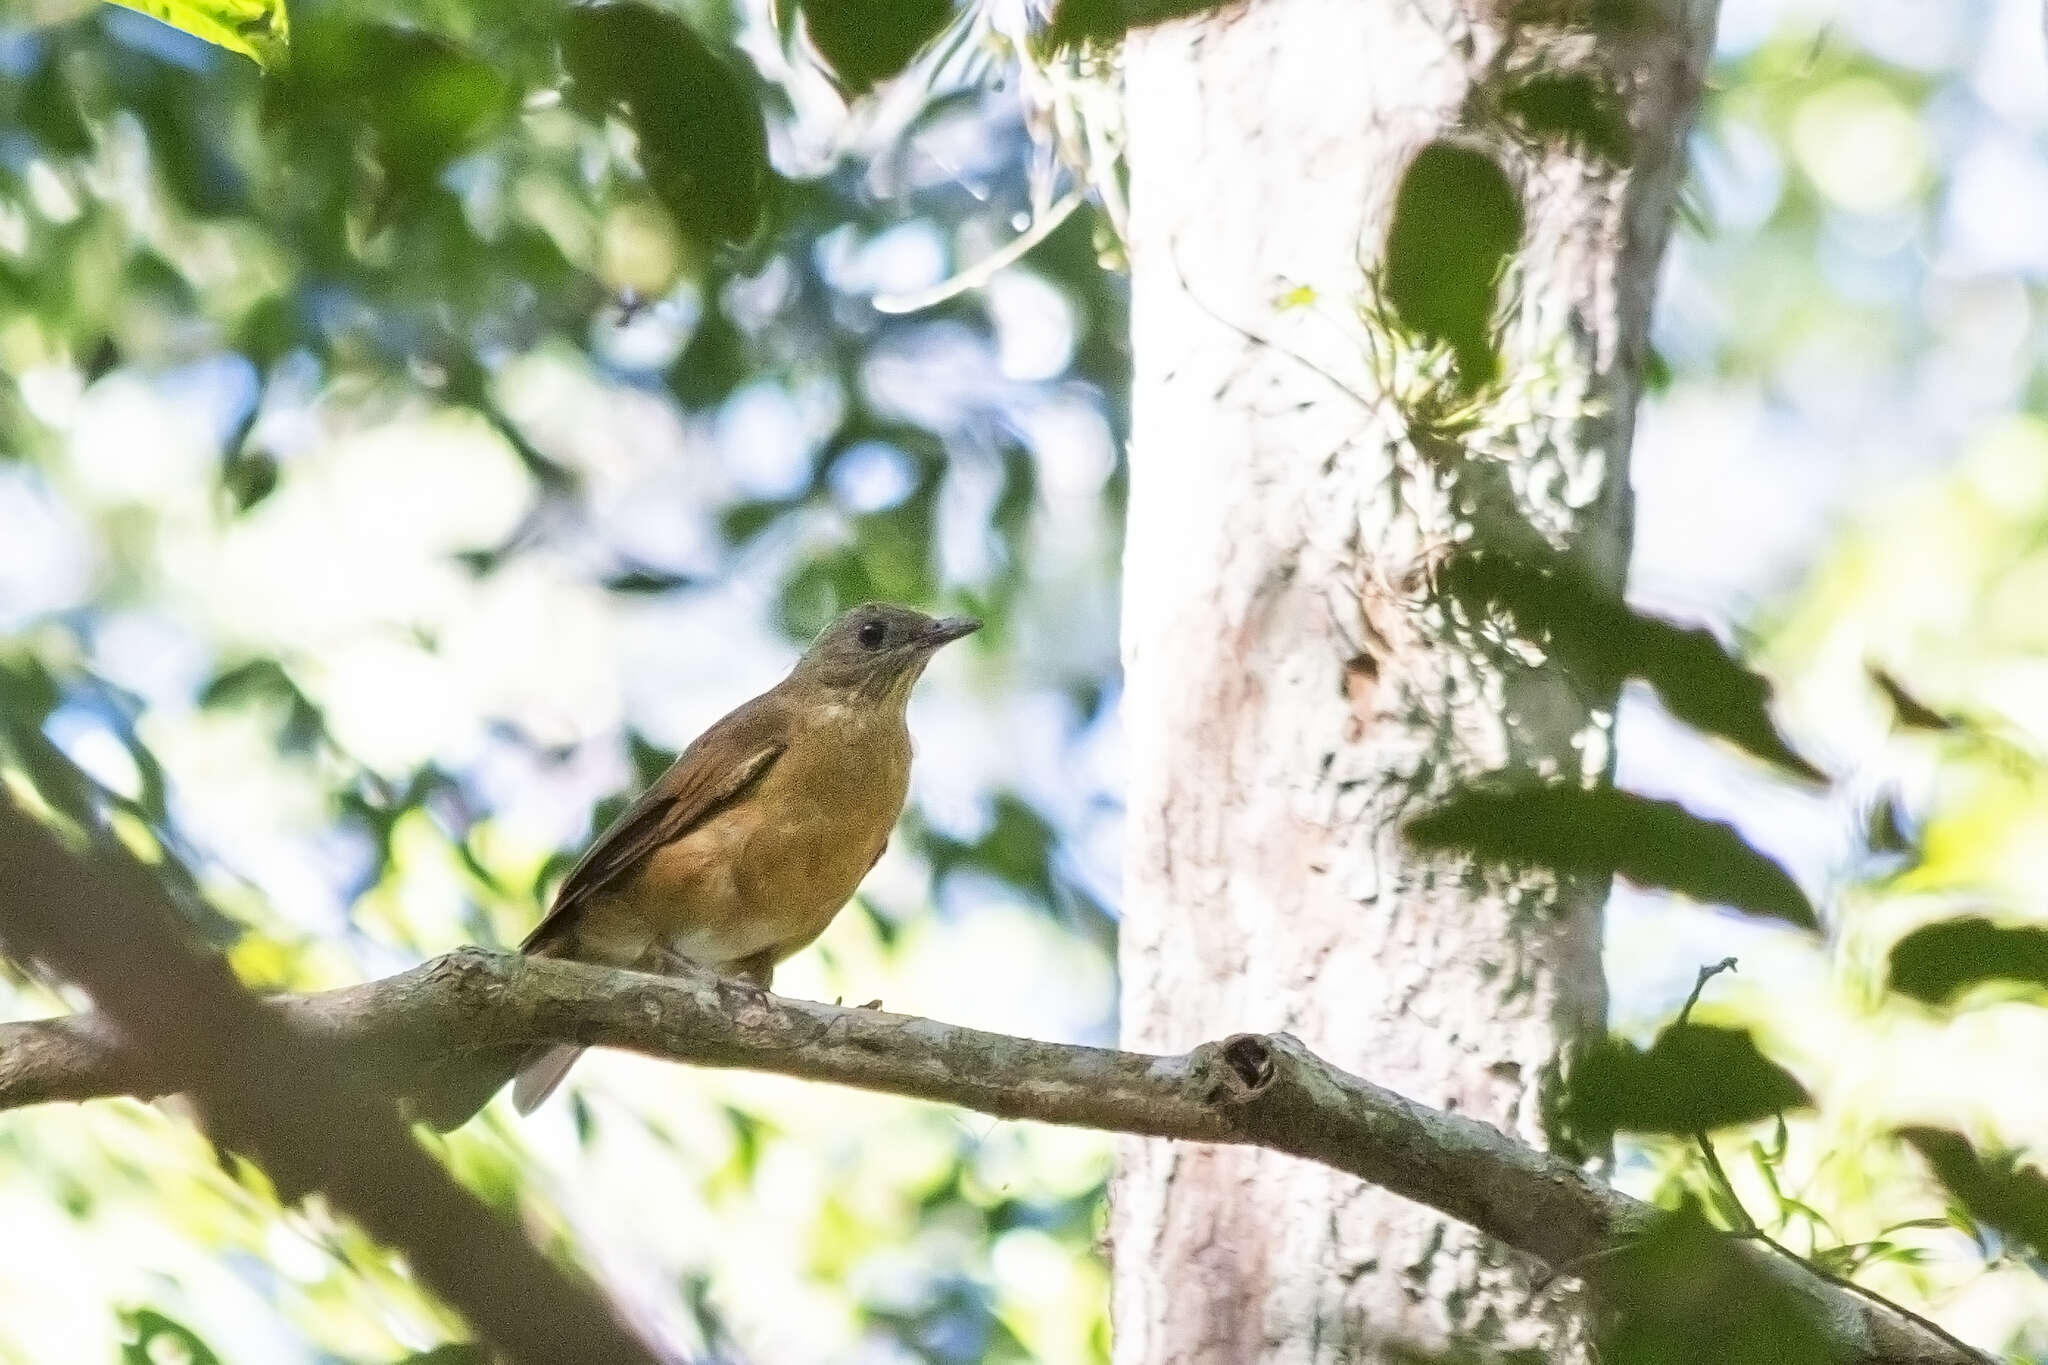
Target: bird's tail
<point>540,1071</point>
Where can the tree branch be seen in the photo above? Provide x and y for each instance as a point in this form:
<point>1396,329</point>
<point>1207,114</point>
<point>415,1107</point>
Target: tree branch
<point>1262,1089</point>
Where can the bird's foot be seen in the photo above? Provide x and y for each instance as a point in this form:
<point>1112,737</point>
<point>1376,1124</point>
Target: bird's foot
<point>668,962</point>
<point>739,990</point>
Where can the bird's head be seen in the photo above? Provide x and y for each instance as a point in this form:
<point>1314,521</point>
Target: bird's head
<point>878,650</point>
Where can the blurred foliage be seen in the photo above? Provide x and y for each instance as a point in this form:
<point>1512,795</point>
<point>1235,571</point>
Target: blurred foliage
<point>411,446</point>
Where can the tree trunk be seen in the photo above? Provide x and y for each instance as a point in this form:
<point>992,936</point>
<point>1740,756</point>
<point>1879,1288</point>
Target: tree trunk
<point>1301,462</point>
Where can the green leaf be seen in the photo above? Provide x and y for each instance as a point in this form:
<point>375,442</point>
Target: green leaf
<point>1693,1079</point>
<point>257,29</point>
<point>1606,832</point>
<point>1994,1189</point>
<point>149,1328</point>
<point>1550,600</point>
<point>1457,222</point>
<point>866,42</point>
<point>1937,962</point>
<point>703,141</point>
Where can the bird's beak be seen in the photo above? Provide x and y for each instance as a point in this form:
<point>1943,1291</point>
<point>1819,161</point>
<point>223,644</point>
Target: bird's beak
<point>948,629</point>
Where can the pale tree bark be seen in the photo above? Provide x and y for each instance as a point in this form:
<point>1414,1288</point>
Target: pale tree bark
<point>1292,687</point>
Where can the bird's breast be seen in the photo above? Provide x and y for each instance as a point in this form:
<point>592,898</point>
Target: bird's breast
<point>832,800</point>
<point>771,870</point>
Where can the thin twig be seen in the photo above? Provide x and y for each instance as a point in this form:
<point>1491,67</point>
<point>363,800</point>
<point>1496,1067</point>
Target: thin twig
<point>989,266</point>
<point>1726,964</point>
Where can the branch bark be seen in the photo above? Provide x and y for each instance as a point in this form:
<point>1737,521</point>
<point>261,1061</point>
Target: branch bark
<point>1263,1090</point>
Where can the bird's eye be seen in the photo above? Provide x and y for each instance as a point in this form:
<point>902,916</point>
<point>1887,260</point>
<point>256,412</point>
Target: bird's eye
<point>871,634</point>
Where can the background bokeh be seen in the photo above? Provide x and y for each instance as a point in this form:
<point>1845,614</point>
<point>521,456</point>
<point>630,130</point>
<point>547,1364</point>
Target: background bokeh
<point>389,484</point>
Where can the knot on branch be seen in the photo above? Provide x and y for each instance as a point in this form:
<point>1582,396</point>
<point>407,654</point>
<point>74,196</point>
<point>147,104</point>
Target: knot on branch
<point>470,973</point>
<point>1251,1060</point>
<point>1240,1068</point>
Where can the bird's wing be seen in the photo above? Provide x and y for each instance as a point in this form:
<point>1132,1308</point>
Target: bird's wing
<point>716,770</point>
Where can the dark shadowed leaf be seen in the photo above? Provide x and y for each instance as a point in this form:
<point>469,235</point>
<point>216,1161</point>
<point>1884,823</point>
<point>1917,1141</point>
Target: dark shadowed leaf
<point>642,581</point>
<point>1913,713</point>
<point>1551,600</point>
<point>1694,1078</point>
<point>1994,1189</point>
<point>1691,1295</point>
<point>1457,221</point>
<point>1576,110</point>
<point>1937,962</point>
<point>703,143</point>
<point>865,42</point>
<point>1105,21</point>
<point>1652,843</point>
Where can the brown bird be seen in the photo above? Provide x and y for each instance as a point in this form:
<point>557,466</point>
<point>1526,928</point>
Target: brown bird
<point>744,850</point>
